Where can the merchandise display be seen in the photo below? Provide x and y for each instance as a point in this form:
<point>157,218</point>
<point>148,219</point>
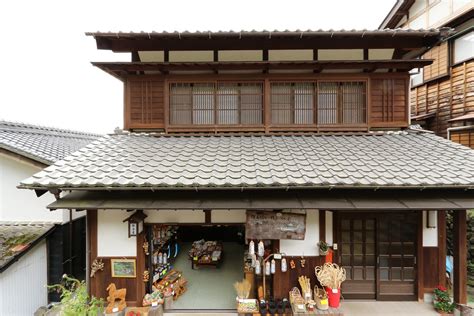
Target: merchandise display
<point>206,253</point>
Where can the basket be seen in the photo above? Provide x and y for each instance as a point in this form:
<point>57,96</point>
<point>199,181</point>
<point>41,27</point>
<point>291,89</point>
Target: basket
<point>295,295</point>
<point>321,298</point>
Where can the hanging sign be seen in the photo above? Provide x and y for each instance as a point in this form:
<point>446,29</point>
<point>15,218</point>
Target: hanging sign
<point>275,225</point>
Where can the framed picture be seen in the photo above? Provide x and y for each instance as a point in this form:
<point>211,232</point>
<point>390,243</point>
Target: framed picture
<point>123,268</point>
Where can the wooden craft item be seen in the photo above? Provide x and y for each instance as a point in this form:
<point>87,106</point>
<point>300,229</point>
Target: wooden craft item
<point>97,265</point>
<point>116,299</point>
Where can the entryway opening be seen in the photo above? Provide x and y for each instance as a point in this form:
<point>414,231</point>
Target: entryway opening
<point>378,251</point>
<point>208,258</point>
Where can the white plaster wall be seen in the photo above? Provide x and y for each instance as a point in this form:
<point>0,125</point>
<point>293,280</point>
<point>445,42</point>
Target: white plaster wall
<point>22,205</point>
<point>228,216</point>
<point>430,235</point>
<point>112,234</point>
<point>329,232</point>
<point>23,284</point>
<point>308,246</point>
<point>175,216</point>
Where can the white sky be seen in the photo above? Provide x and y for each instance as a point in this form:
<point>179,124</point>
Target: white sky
<point>47,77</point>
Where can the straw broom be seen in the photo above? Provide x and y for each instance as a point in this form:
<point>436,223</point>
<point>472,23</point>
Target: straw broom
<point>242,288</point>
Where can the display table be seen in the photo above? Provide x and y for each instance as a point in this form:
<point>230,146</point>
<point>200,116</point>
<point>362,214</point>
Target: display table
<point>206,253</point>
<point>329,312</point>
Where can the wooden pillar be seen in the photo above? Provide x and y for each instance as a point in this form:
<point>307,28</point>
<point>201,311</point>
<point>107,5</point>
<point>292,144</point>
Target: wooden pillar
<point>140,268</point>
<point>92,248</point>
<point>322,225</point>
<point>460,257</point>
<point>419,259</point>
<point>442,247</point>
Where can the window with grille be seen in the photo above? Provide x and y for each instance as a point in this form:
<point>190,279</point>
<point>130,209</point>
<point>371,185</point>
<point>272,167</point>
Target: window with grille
<point>324,103</point>
<point>216,103</point>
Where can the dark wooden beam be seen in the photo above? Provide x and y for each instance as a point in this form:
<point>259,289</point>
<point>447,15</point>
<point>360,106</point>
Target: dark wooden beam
<point>322,225</point>
<point>207,216</point>
<point>166,55</point>
<point>460,257</point>
<point>366,54</point>
<point>257,43</point>
<point>442,247</point>
<point>92,242</point>
<point>135,57</point>
<point>419,259</point>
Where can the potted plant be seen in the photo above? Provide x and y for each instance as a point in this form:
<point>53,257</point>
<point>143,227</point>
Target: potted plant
<point>442,302</point>
<point>323,248</point>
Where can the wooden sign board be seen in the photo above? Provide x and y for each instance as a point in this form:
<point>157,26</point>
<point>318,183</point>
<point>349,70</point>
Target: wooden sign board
<point>275,225</point>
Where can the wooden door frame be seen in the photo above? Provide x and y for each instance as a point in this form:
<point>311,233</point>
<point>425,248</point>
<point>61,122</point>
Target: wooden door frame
<point>418,268</point>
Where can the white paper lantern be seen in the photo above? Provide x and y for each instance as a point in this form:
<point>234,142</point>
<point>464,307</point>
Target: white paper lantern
<point>284,266</point>
<point>251,247</point>
<point>273,266</point>
<point>261,249</point>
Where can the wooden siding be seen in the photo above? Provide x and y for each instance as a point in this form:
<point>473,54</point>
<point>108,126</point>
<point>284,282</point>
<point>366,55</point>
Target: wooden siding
<point>439,67</point>
<point>389,102</point>
<point>448,97</point>
<point>362,101</point>
<point>144,103</point>
<point>463,137</point>
<point>283,282</point>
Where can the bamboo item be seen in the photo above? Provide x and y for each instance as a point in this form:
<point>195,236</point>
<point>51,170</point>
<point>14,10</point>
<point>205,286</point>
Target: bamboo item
<point>305,284</point>
<point>321,298</point>
<point>330,275</point>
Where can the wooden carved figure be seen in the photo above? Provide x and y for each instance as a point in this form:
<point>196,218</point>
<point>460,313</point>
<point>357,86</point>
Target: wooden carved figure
<point>114,296</point>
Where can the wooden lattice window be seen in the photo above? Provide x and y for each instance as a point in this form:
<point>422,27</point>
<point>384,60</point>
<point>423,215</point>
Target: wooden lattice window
<point>216,103</point>
<point>324,103</point>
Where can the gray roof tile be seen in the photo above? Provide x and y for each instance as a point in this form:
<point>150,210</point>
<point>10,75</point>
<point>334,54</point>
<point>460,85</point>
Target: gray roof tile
<point>413,159</point>
<point>17,237</point>
<point>40,143</point>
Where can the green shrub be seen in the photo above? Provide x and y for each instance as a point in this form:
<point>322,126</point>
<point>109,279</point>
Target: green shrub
<point>74,298</point>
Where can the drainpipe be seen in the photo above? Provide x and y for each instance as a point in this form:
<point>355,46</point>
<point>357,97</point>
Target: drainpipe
<point>70,242</point>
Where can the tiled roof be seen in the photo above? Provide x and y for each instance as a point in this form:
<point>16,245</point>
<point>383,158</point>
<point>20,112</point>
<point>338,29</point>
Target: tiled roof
<point>16,238</point>
<point>40,143</point>
<point>402,159</point>
<point>309,32</point>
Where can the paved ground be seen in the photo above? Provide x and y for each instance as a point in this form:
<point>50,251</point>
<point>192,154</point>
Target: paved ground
<point>360,308</point>
<point>209,287</point>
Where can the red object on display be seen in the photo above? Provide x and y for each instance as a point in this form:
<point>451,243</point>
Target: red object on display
<point>334,297</point>
<point>328,257</point>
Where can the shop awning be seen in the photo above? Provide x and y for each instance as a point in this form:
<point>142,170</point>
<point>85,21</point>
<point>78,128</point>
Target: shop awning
<point>270,199</point>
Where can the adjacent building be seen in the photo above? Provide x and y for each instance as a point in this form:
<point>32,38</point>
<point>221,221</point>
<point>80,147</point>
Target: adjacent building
<point>442,94</point>
<point>36,245</point>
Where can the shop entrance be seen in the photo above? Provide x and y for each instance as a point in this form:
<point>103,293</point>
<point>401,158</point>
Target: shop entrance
<point>208,259</point>
<point>378,252</point>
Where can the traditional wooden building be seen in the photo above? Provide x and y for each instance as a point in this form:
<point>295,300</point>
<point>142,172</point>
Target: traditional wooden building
<point>442,93</point>
<point>220,125</point>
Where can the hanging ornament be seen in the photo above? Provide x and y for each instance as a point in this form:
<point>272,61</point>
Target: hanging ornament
<point>273,266</point>
<point>267,268</point>
<point>145,247</point>
<point>261,249</point>
<point>257,269</point>
<point>146,276</point>
<point>160,258</point>
<point>284,265</point>
<point>302,261</point>
<point>254,260</point>
<point>251,247</point>
<point>165,258</point>
<point>292,264</point>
